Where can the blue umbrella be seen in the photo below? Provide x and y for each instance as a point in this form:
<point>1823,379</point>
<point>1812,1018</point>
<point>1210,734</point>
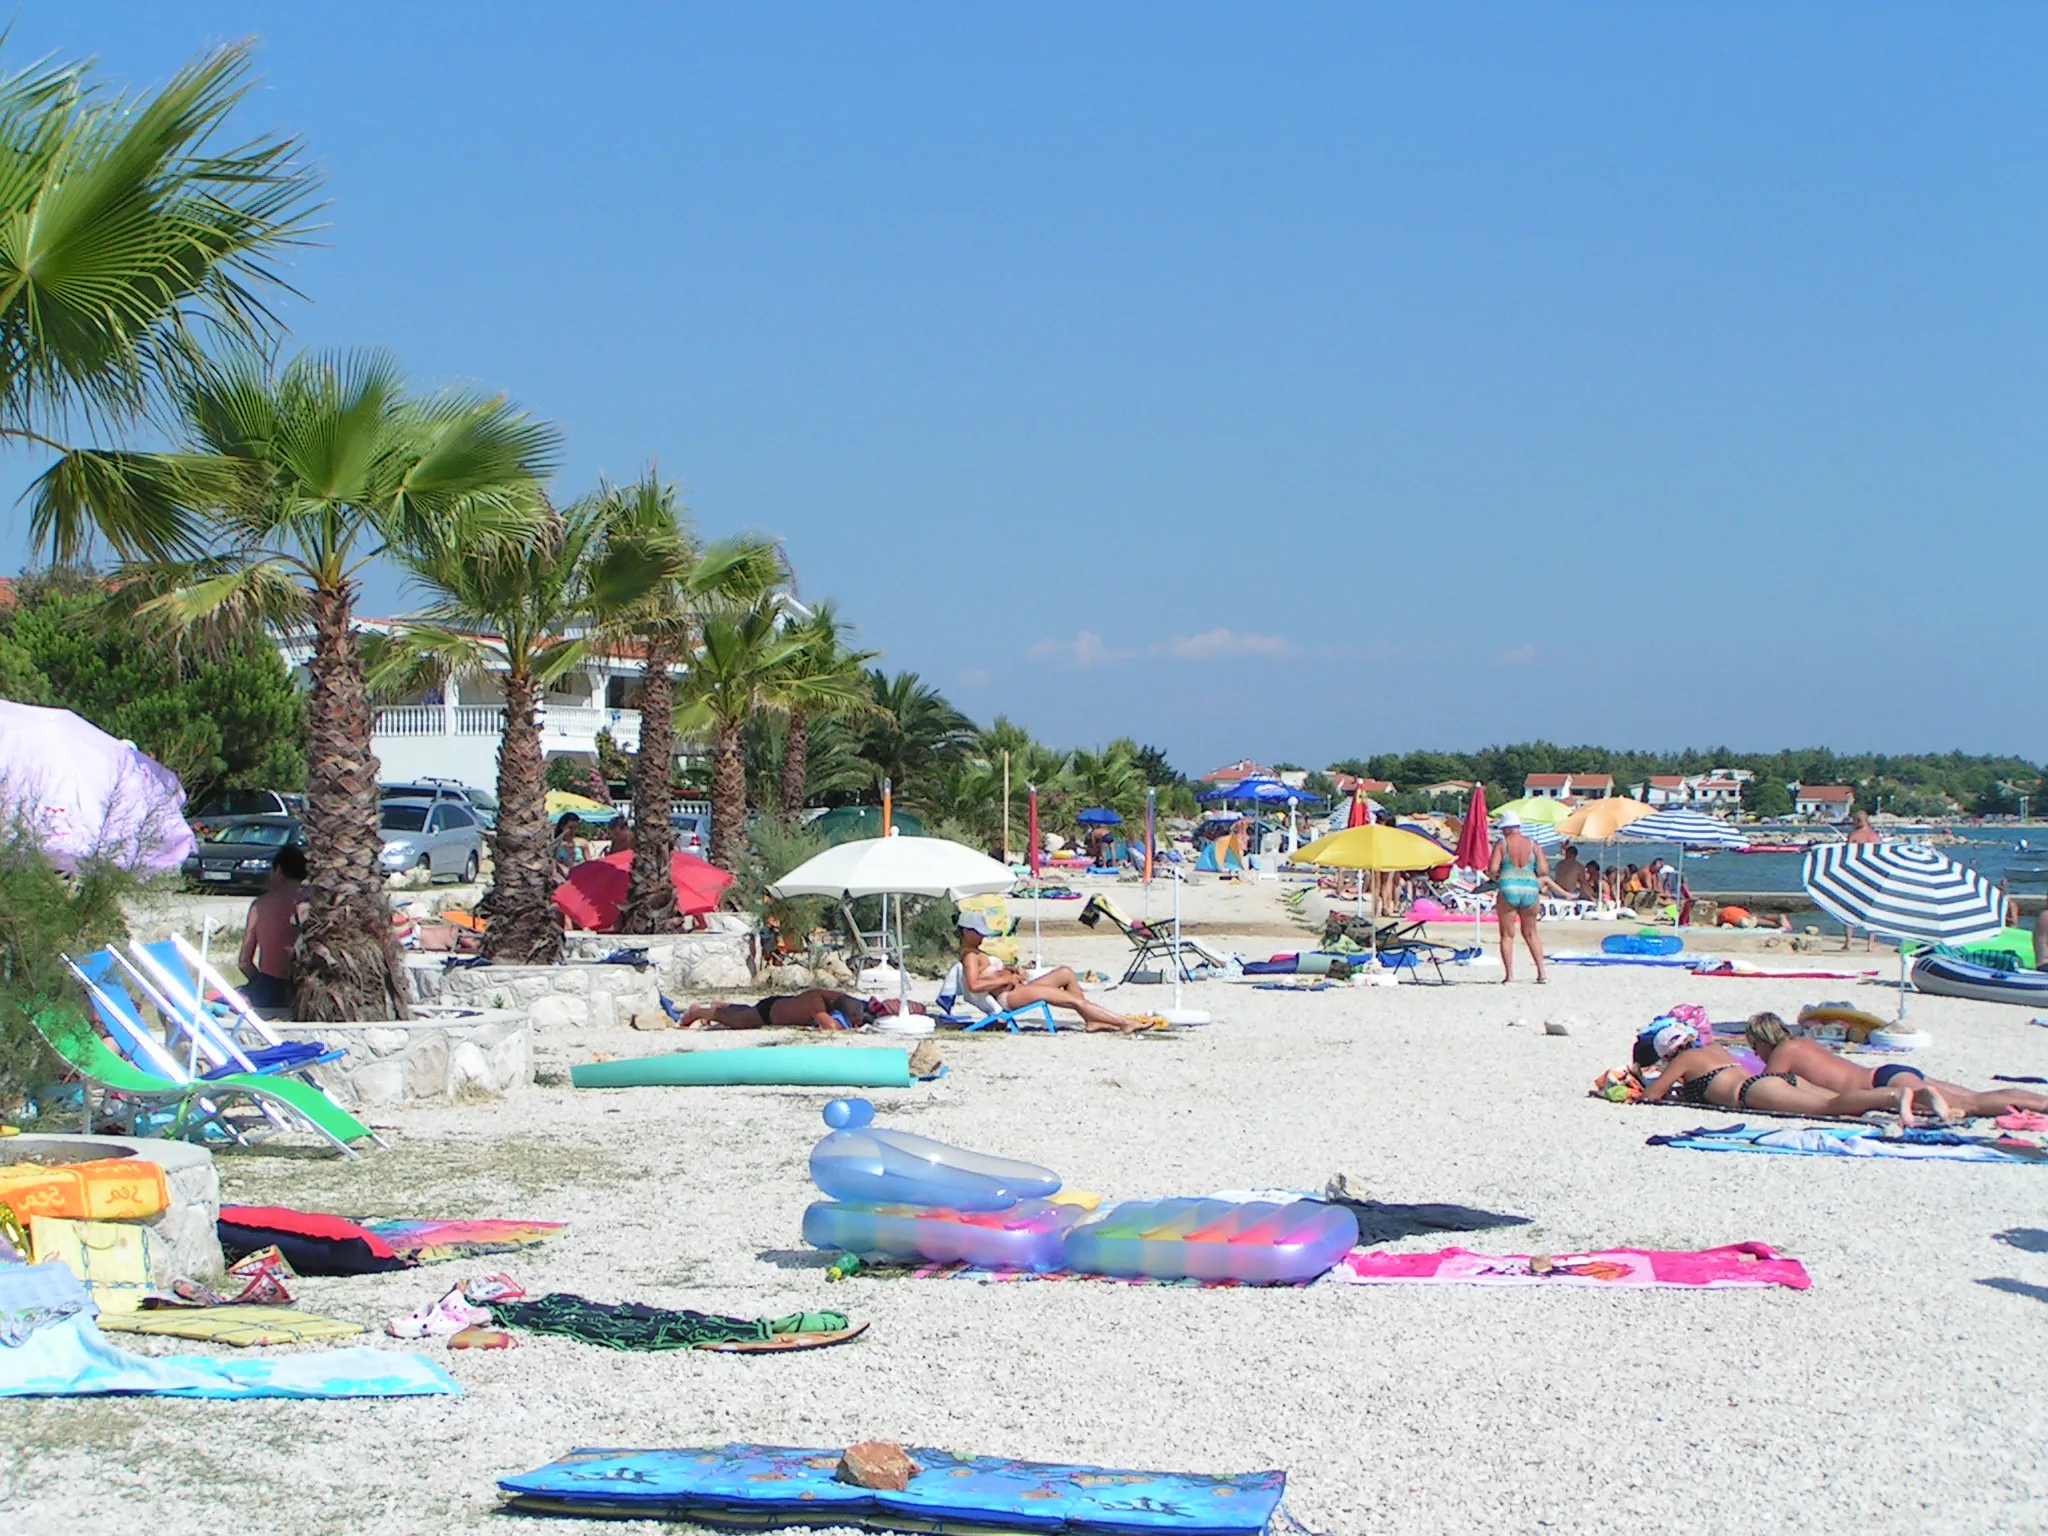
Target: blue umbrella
<point>1260,791</point>
<point>1099,817</point>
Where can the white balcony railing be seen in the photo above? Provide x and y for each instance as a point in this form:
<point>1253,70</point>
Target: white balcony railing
<point>564,727</point>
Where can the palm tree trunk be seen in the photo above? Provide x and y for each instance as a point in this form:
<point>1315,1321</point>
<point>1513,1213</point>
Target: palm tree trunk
<point>796,753</point>
<point>347,966</point>
<point>524,929</point>
<point>728,796</point>
<point>651,893</point>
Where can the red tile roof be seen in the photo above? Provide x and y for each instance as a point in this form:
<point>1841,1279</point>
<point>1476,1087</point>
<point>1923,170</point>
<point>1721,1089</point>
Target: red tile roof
<point>1830,792</point>
<point>1546,781</point>
<point>1593,780</point>
<point>1667,781</point>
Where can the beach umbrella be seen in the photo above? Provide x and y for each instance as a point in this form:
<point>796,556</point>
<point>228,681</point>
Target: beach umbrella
<point>83,795</point>
<point>562,802</point>
<point>897,866</point>
<point>1688,829</point>
<point>1475,852</point>
<point>1259,790</point>
<point>1535,810</point>
<point>1374,848</point>
<point>596,888</point>
<point>1903,891</point>
<point>1099,816</point>
<point>1600,821</point>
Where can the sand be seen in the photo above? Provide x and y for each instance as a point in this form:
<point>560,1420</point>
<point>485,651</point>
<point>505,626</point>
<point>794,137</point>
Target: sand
<point>1904,1393</point>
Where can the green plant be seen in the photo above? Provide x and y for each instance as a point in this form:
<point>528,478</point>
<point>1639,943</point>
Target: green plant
<point>774,848</point>
<point>43,916</point>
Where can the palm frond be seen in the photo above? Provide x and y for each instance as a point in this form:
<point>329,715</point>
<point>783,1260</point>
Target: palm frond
<point>143,505</point>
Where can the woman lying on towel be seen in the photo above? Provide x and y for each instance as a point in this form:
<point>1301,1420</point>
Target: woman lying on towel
<point>1783,1051</point>
<point>814,1010</point>
<point>1705,1075</point>
<point>1060,988</point>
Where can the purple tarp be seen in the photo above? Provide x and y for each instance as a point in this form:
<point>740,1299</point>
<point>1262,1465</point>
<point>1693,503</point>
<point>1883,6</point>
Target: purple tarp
<point>84,795</point>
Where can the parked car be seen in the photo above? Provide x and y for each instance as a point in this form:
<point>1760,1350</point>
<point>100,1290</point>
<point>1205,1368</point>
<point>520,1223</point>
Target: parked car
<point>691,831</point>
<point>226,805</point>
<point>481,802</point>
<point>239,855</point>
<point>440,837</point>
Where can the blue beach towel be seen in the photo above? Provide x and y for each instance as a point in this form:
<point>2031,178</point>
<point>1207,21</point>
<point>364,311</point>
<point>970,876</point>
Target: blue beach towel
<point>1855,1141</point>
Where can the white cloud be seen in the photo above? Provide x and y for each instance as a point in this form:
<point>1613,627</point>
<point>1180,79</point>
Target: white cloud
<point>1223,642</point>
<point>1521,655</point>
<point>1086,649</point>
<point>974,677</point>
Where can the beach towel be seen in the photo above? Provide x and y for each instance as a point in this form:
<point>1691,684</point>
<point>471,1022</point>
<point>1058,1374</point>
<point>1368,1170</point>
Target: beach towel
<point>759,1486</point>
<point>1855,1141</point>
<point>62,1353</point>
<point>1738,1264</point>
<point>1744,968</point>
<point>1658,962</point>
<point>428,1241</point>
<point>628,1325</point>
<point>237,1325</point>
<point>312,1244</point>
<point>105,1189</point>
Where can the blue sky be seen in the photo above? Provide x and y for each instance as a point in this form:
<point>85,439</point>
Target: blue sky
<point>1293,382</point>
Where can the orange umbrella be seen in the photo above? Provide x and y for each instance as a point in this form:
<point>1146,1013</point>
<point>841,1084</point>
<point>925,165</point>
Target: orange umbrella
<point>596,889</point>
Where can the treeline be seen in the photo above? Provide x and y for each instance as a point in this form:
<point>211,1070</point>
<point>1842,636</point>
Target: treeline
<point>1912,784</point>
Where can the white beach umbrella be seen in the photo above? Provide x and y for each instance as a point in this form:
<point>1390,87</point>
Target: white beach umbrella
<point>897,866</point>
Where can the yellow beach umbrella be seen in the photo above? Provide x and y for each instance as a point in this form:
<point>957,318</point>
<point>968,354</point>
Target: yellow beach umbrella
<point>1597,821</point>
<point>1535,808</point>
<point>561,802</point>
<point>1375,847</point>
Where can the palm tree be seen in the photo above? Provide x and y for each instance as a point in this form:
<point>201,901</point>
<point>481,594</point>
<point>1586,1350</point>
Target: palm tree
<point>821,680</point>
<point>532,617</point>
<point>913,733</point>
<point>296,480</point>
<point>694,580</point>
<point>123,233</point>
<point>733,675</point>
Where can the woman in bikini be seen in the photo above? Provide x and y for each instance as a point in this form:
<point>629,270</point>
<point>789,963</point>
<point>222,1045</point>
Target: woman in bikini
<point>1519,872</point>
<point>980,973</point>
<point>1812,1062</point>
<point>815,1010</point>
<point>1706,1076</point>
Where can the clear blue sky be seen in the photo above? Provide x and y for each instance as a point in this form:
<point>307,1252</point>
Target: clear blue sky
<point>1295,381</point>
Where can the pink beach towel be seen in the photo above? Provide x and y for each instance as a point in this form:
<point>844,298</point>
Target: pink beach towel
<point>1738,1264</point>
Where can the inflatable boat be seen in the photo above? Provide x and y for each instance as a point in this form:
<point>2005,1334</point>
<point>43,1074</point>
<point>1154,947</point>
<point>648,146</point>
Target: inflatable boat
<point>1946,977</point>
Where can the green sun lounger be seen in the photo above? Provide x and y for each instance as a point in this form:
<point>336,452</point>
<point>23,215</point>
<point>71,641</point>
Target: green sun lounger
<point>72,1038</point>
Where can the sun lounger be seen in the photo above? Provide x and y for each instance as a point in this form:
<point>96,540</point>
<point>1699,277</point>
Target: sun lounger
<point>229,1033</point>
<point>973,1011</point>
<point>1149,942</point>
<point>193,1102</point>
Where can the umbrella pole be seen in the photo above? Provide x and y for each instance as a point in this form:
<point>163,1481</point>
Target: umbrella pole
<point>1902,981</point>
<point>1177,959</point>
<point>902,965</point>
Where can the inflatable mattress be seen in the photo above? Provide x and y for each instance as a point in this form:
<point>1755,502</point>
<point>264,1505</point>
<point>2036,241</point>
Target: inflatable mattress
<point>1946,977</point>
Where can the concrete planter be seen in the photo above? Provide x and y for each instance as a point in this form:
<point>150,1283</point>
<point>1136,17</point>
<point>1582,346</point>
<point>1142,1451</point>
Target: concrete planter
<point>489,1051</point>
<point>182,1238</point>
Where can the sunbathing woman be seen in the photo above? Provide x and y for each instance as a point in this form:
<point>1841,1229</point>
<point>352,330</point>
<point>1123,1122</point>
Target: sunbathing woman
<point>815,1010</point>
<point>1707,1076</point>
<point>1012,989</point>
<point>1783,1051</point>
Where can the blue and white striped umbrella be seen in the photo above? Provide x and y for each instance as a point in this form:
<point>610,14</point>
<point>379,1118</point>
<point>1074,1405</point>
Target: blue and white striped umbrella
<point>1541,833</point>
<point>1902,891</point>
<point>1688,829</point>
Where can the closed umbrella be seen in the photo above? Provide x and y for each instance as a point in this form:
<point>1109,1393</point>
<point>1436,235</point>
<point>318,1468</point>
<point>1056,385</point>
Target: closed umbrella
<point>896,866</point>
<point>1688,829</point>
<point>1475,851</point>
<point>83,795</point>
<point>1903,891</point>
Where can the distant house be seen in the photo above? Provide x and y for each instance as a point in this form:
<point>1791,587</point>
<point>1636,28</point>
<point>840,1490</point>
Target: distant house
<point>1351,783</point>
<point>1547,786</point>
<point>1437,791</point>
<point>1243,768</point>
<point>1823,802</point>
<point>1592,786</point>
<point>1718,791</point>
<point>1666,789</point>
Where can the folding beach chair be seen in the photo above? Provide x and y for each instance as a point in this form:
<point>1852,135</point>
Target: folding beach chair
<point>1149,942</point>
<point>980,1011</point>
<point>225,1030</point>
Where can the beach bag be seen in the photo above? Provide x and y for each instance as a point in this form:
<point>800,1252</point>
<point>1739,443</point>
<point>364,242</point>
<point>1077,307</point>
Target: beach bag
<point>110,1258</point>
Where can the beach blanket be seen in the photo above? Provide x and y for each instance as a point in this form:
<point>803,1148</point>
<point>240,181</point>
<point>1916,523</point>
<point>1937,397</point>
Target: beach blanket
<point>759,1486</point>
<point>312,1244</point>
<point>1855,1141</point>
<point>1738,1264</point>
<point>628,1325</point>
<point>1744,968</point>
<point>65,1355</point>
<point>1659,962</point>
<point>241,1326</point>
<point>428,1241</point>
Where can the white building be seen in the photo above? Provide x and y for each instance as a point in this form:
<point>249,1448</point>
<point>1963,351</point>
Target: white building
<point>452,732</point>
<point>1823,802</point>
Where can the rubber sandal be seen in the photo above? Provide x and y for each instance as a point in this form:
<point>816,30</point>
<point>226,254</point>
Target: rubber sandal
<point>482,1338</point>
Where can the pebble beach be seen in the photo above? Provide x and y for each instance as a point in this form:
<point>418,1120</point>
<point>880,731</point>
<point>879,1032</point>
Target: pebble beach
<point>1902,1393</point>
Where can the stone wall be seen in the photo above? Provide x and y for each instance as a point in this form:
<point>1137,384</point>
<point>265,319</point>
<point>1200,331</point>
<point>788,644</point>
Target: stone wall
<point>182,1239</point>
<point>580,993</point>
<point>490,1052</point>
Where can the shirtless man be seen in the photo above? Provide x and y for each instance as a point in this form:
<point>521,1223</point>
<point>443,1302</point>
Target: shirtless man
<point>271,932</point>
<point>1785,1052</point>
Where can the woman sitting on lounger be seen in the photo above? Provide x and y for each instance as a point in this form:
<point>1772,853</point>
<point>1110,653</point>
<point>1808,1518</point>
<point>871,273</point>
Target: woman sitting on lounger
<point>1813,1062</point>
<point>813,1010</point>
<point>1707,1076</point>
<point>1011,988</point>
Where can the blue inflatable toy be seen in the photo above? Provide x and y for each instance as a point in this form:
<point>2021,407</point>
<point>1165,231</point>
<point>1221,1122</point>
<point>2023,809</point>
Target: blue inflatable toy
<point>859,1162</point>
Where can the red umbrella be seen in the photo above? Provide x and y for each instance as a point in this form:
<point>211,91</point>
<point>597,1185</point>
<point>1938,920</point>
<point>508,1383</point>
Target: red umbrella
<point>595,890</point>
<point>1361,811</point>
<point>1474,851</point>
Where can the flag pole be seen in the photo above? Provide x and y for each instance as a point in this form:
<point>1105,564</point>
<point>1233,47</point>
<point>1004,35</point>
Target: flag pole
<point>1037,935</point>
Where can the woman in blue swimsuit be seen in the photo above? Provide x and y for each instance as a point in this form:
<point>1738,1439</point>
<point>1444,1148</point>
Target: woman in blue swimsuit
<point>1520,872</point>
